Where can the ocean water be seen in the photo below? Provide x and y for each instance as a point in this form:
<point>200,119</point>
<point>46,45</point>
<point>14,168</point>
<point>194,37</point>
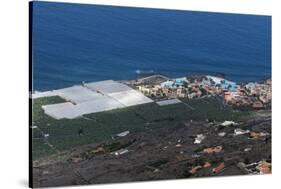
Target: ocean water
<point>74,43</point>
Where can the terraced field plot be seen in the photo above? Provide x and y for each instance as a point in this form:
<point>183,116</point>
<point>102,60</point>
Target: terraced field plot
<point>98,127</point>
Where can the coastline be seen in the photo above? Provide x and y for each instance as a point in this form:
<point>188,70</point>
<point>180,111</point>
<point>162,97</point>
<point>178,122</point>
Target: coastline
<point>139,76</point>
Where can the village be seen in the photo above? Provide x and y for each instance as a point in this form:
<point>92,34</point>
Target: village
<point>255,95</point>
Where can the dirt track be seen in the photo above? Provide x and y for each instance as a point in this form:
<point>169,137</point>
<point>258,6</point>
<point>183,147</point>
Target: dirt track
<point>166,153</point>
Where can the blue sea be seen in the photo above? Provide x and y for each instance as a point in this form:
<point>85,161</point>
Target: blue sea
<point>74,43</point>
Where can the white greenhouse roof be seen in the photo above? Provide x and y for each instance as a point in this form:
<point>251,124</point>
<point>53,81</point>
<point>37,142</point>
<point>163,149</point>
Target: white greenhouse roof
<point>93,97</point>
<point>78,94</point>
<point>61,110</point>
<point>43,94</point>
<point>71,111</point>
<point>108,86</point>
<point>168,102</point>
<point>130,97</point>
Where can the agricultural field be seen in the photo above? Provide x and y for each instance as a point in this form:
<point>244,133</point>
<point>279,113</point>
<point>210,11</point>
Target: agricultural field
<point>99,127</point>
